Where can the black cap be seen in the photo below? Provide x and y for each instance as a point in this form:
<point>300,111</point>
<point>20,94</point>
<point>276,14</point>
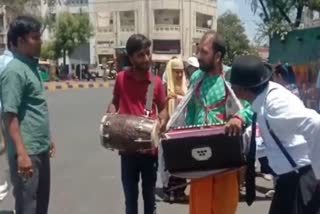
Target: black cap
<point>250,72</point>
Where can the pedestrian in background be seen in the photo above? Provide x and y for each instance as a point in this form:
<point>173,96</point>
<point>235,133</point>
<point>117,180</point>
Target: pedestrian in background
<point>192,66</point>
<point>4,61</point>
<point>285,76</point>
<point>176,86</point>
<point>26,119</point>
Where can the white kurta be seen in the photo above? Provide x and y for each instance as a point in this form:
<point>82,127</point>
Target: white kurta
<point>297,127</point>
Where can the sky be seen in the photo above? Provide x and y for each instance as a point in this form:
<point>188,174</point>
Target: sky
<point>243,9</point>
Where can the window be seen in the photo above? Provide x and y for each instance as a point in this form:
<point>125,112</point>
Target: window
<point>1,23</point>
<point>76,2</point>
<point>167,17</point>
<point>204,21</point>
<point>127,18</point>
<point>166,46</point>
<point>104,19</point>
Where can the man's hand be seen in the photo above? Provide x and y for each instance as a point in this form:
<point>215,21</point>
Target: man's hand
<point>52,149</point>
<point>112,109</point>
<point>25,166</point>
<point>163,120</point>
<point>234,127</point>
<point>163,125</point>
<point>172,95</point>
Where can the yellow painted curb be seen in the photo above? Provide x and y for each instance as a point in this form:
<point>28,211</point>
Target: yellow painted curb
<point>82,85</point>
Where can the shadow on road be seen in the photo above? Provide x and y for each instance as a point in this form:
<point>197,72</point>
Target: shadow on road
<point>260,189</point>
<point>160,194</point>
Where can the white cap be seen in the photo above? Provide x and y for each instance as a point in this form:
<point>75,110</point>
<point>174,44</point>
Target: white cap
<point>193,61</point>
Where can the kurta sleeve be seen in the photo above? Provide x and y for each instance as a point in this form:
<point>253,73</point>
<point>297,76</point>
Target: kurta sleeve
<point>245,114</point>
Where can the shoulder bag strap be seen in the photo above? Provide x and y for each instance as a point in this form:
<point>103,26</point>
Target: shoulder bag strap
<point>150,94</point>
<point>278,142</point>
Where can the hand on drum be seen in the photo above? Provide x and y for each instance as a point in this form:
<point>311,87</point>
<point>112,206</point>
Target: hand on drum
<point>234,127</point>
<point>112,109</point>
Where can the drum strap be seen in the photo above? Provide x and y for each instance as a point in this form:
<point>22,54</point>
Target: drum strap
<point>150,94</point>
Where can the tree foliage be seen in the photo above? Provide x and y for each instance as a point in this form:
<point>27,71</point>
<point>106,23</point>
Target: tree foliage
<point>69,32</point>
<point>48,51</point>
<point>237,42</point>
<point>281,16</point>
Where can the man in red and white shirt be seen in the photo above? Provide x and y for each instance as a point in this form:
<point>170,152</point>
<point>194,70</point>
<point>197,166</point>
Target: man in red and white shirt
<point>129,97</point>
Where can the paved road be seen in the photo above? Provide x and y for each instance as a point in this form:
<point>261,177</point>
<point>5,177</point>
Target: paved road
<point>86,177</point>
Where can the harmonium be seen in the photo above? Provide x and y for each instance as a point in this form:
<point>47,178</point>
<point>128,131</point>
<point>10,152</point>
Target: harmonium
<point>202,148</point>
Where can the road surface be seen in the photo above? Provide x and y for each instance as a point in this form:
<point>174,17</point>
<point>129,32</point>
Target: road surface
<point>86,177</point>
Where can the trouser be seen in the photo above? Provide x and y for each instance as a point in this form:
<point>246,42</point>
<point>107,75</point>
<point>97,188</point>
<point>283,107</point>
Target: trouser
<point>264,166</point>
<point>4,186</point>
<point>169,181</point>
<point>132,166</point>
<point>174,182</point>
<point>32,194</point>
<point>296,193</point>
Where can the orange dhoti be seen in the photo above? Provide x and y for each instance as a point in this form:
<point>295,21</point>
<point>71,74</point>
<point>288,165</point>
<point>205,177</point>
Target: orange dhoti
<point>215,195</point>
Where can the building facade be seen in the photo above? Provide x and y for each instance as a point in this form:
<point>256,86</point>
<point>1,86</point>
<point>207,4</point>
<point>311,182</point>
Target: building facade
<point>3,27</point>
<point>174,26</point>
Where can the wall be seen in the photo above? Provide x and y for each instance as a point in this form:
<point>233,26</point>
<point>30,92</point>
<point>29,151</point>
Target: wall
<point>300,47</point>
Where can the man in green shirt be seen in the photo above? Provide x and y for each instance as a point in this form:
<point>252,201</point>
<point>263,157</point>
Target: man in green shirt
<point>26,118</point>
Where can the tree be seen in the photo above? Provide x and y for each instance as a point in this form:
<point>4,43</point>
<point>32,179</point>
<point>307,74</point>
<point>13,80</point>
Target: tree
<point>48,51</point>
<point>281,16</point>
<point>70,31</point>
<point>237,42</point>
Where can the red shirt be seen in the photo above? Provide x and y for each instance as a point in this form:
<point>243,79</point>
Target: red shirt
<point>132,94</point>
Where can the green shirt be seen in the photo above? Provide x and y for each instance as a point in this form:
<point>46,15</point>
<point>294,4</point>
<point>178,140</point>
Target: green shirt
<point>210,93</point>
<point>22,93</point>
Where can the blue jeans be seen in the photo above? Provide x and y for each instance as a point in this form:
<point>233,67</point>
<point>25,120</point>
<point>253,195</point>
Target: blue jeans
<point>132,166</point>
<point>32,194</point>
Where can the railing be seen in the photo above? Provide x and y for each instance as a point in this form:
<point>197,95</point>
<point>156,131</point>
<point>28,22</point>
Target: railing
<point>127,28</point>
<point>105,29</point>
<point>165,27</point>
<point>201,30</point>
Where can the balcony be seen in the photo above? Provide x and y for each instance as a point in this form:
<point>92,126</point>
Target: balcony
<point>202,30</point>
<point>166,28</point>
<point>204,20</point>
<point>128,28</point>
<point>76,2</point>
<point>127,21</point>
<point>104,22</point>
<point>108,29</point>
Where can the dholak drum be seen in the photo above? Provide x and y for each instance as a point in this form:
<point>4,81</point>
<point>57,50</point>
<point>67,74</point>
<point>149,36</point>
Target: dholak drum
<point>128,133</point>
<point>204,150</point>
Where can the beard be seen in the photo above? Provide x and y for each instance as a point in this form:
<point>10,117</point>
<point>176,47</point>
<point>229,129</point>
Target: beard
<point>143,67</point>
<point>207,68</point>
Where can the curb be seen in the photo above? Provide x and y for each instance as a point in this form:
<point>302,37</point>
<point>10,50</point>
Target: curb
<point>67,86</point>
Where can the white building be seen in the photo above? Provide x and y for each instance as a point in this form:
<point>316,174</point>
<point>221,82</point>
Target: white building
<point>174,26</point>
<point>310,19</point>
<point>3,28</point>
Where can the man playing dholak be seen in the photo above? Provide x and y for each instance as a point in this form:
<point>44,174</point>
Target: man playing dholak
<point>218,194</point>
